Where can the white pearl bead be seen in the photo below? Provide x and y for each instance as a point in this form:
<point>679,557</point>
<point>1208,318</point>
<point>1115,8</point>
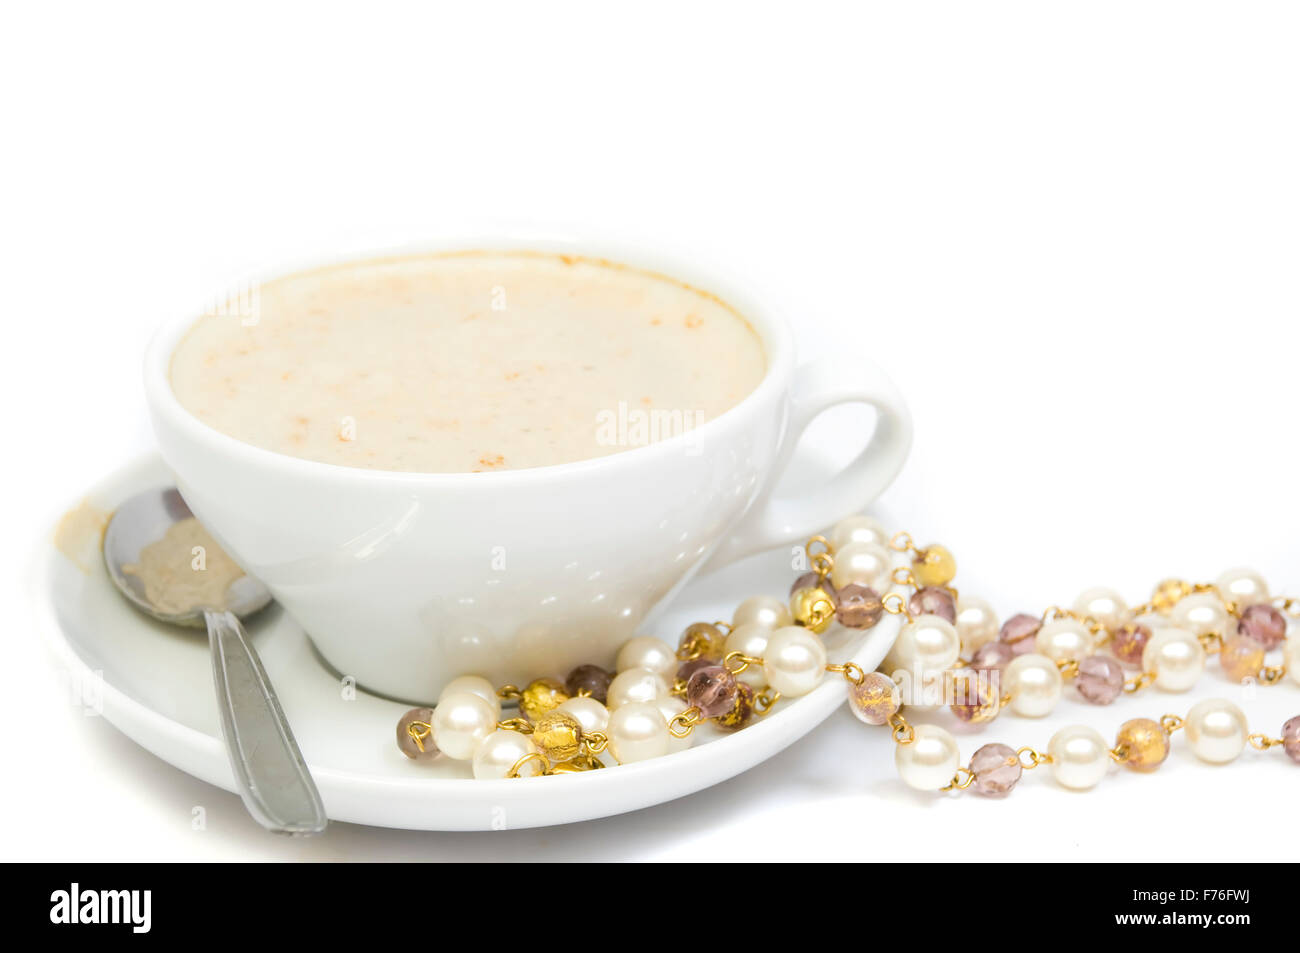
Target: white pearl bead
<point>670,706</point>
<point>591,714</point>
<point>927,644</point>
<point>1245,587</point>
<point>794,661</point>
<point>858,529</point>
<point>768,611</point>
<point>749,639</point>
<point>930,761</point>
<point>1216,730</point>
<point>500,751</point>
<point>475,685</point>
<point>637,732</point>
<point>867,564</point>
<point>1063,639</point>
<point>1176,656</point>
<point>1102,605</point>
<point>1035,684</point>
<point>460,722</point>
<point>636,685</point>
<point>1080,757</point>
<point>977,623</point>
<point>1202,612</point>
<point>645,651</point>
<point>1291,652</point>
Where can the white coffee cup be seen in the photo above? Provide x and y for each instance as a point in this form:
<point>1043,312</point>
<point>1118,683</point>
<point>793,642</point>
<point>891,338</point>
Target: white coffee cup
<point>405,580</point>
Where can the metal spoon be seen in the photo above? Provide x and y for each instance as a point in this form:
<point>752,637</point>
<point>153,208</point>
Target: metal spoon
<point>269,769</point>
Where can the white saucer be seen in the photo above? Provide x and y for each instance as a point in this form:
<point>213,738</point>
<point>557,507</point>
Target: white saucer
<point>155,685</point>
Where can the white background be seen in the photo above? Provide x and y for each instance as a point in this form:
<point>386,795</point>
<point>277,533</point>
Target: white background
<point>1068,230</point>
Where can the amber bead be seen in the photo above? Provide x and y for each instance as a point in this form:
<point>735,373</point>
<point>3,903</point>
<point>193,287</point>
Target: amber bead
<point>934,566</point>
<point>813,608</point>
<point>558,735</point>
<point>576,765</point>
<point>1168,594</point>
<point>1145,744</point>
<point>702,640</point>
<point>541,696</point>
<point>1241,658</point>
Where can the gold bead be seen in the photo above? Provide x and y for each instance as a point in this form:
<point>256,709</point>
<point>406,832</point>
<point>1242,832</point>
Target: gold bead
<point>577,765</point>
<point>702,640</point>
<point>1168,593</point>
<point>740,711</point>
<point>558,735</point>
<point>876,699</point>
<point>934,566</point>
<point>813,608</point>
<point>1241,658</point>
<point>541,696</point>
<point>1145,744</point>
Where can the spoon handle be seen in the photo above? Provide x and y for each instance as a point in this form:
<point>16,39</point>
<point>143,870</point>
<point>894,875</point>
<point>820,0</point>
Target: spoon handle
<point>269,770</point>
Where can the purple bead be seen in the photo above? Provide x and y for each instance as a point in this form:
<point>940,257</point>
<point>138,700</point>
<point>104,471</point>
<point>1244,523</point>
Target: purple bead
<point>1101,679</point>
<point>1019,631</point>
<point>857,606</point>
<point>933,600</point>
<point>712,690</point>
<point>589,679</point>
<point>992,656</point>
<point>1129,642</point>
<point>1291,738</point>
<point>1264,624</point>
<point>810,580</point>
<point>691,666</point>
<point>414,737</point>
<point>996,768</point>
<point>741,711</point>
<point>976,695</point>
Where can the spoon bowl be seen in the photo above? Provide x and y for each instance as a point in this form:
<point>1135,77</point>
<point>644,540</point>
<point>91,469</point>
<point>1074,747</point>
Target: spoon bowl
<point>270,772</point>
<point>144,519</point>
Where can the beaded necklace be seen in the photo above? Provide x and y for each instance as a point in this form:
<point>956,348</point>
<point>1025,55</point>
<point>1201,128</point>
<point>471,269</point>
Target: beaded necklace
<point>950,651</point>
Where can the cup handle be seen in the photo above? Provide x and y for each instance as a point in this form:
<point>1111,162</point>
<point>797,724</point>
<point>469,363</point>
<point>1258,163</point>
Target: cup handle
<point>817,387</point>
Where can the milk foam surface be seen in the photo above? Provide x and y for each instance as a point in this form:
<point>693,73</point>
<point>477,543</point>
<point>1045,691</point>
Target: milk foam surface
<point>462,362</point>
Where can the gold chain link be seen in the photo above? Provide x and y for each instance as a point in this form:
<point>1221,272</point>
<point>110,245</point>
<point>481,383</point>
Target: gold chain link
<point>764,701</point>
<point>903,733</point>
<point>684,722</point>
<point>745,662</point>
<point>851,672</point>
<point>419,731</point>
<point>1137,684</point>
<point>963,779</point>
<point>1035,758</point>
